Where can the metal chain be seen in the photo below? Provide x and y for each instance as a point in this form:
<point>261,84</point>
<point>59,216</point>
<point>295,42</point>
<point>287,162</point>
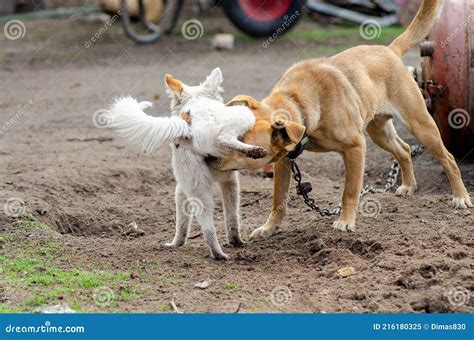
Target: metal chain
<point>303,189</point>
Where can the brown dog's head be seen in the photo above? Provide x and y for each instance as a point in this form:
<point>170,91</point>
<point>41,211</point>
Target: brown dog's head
<point>276,134</point>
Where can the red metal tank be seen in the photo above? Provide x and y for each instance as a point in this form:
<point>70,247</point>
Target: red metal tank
<point>448,76</point>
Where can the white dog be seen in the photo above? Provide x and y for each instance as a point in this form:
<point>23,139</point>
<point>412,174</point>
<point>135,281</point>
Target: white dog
<point>200,125</point>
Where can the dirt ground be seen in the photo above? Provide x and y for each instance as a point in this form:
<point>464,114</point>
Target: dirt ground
<point>77,188</point>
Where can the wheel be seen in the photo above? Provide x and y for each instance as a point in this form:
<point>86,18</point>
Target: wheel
<point>263,18</point>
<point>152,32</point>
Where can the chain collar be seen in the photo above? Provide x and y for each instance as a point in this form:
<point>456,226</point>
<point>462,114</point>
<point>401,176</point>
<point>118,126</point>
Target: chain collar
<point>299,148</point>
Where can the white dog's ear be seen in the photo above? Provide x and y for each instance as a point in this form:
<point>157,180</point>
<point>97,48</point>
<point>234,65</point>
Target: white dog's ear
<point>211,87</point>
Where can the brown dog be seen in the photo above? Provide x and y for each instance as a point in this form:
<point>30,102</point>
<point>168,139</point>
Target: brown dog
<point>334,101</point>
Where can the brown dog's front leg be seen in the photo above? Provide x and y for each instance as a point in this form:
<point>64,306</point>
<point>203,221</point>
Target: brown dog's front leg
<point>354,162</point>
<point>281,185</point>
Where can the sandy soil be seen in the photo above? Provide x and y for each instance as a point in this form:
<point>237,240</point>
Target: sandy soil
<point>414,256</point>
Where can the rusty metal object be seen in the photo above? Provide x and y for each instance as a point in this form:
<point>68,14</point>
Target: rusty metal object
<point>427,48</point>
<point>448,76</point>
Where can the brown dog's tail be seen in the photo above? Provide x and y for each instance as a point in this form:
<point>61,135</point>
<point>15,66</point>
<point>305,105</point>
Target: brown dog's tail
<point>418,29</point>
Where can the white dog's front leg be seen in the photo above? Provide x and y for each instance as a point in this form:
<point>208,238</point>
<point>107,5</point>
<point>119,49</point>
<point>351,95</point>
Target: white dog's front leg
<point>205,218</point>
<point>233,144</point>
<point>182,219</point>
<point>229,185</point>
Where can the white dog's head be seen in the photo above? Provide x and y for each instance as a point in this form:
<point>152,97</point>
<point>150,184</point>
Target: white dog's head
<point>181,93</point>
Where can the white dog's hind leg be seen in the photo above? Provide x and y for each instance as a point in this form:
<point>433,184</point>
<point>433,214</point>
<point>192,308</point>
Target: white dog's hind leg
<point>205,218</point>
<point>229,185</point>
<point>182,219</point>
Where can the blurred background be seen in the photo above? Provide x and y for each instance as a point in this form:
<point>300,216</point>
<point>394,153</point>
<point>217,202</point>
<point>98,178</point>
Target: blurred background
<point>70,190</point>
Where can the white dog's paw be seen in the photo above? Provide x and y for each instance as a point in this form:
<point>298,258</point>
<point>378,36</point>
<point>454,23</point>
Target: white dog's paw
<point>262,232</point>
<point>405,190</point>
<point>343,226</point>
<point>256,152</point>
<point>219,256</point>
<point>175,243</point>
<point>462,203</point>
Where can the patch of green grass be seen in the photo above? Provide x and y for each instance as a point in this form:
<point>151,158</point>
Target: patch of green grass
<point>230,285</point>
<point>4,308</point>
<point>37,270</point>
<point>29,222</point>
<point>45,283</point>
<point>344,32</point>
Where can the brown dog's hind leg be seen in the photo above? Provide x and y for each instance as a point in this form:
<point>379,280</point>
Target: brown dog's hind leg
<point>354,162</point>
<point>281,186</point>
<point>383,133</point>
<point>419,122</point>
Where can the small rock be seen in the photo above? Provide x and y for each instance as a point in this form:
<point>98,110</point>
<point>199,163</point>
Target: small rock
<point>223,42</point>
<point>467,213</point>
<point>56,309</point>
<point>316,246</point>
<point>347,271</point>
<point>202,285</point>
<point>406,283</point>
<point>41,211</point>
<point>134,230</point>
<point>95,18</point>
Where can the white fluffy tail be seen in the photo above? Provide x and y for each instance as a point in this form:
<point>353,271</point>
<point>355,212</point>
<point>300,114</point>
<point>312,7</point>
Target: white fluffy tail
<point>146,132</point>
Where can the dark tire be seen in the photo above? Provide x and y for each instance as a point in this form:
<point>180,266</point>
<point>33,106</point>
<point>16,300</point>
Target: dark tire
<point>263,18</point>
<point>152,31</point>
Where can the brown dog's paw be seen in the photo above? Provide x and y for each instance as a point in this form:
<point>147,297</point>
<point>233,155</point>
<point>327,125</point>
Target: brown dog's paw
<point>256,153</point>
<point>263,232</point>
<point>343,226</point>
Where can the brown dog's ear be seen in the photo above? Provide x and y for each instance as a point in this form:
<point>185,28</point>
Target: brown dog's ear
<point>287,134</point>
<point>174,84</point>
<point>248,101</point>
